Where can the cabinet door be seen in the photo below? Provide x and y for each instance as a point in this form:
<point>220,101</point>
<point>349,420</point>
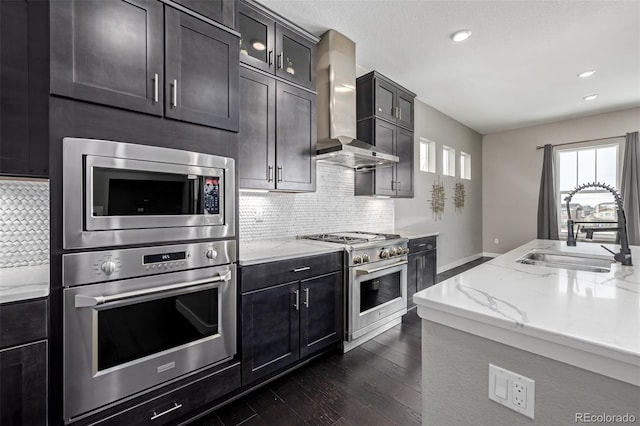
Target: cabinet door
<point>405,109</point>
<point>256,136</point>
<point>295,58</point>
<point>23,385</point>
<point>295,139</point>
<point>221,11</point>
<point>202,72</point>
<point>108,52</point>
<point>270,330</point>
<point>429,270</point>
<point>385,139</point>
<point>414,269</point>
<point>385,99</point>
<point>320,312</point>
<point>258,38</point>
<point>404,169</point>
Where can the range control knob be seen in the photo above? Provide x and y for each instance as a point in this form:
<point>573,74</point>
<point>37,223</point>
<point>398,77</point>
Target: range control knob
<point>357,260</point>
<point>365,258</point>
<point>384,254</point>
<point>405,251</point>
<point>392,251</point>
<point>211,254</point>
<point>108,267</point>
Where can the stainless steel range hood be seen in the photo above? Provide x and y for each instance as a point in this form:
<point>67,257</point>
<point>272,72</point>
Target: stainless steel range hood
<point>336,103</point>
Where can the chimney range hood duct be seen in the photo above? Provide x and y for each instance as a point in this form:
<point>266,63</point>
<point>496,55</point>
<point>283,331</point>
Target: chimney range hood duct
<point>336,103</point>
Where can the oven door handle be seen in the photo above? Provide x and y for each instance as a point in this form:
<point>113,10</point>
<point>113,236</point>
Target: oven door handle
<point>83,301</point>
<point>381,268</point>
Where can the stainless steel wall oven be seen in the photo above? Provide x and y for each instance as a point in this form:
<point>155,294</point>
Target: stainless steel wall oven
<point>117,193</point>
<point>138,318</point>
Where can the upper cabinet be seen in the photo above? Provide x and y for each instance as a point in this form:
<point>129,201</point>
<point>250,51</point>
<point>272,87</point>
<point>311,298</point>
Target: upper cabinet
<point>115,52</point>
<point>221,11</point>
<point>273,47</point>
<point>377,96</point>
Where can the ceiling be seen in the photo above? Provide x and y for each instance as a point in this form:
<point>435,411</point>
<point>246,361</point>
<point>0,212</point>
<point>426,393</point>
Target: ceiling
<point>517,69</point>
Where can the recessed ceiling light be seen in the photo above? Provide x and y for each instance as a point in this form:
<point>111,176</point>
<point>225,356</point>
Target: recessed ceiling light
<point>588,73</point>
<point>258,45</point>
<point>590,97</point>
<point>461,35</point>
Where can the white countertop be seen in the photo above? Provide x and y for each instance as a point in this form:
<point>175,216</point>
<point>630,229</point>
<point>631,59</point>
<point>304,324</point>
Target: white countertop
<point>22,283</point>
<point>414,233</point>
<point>273,250</point>
<point>587,319</point>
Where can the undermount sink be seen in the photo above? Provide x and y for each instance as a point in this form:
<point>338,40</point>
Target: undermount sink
<point>558,259</point>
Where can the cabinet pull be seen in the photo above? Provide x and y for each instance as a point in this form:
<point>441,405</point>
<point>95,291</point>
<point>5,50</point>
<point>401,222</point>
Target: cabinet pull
<point>155,88</point>
<point>422,245</point>
<point>175,407</point>
<point>280,61</point>
<point>399,113</point>
<point>279,173</point>
<point>174,94</point>
<point>297,304</point>
<point>306,297</point>
<point>270,57</point>
<point>304,268</point>
<point>270,178</point>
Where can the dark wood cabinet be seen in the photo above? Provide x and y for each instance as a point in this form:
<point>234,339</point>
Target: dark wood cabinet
<point>284,318</point>
<point>24,149</point>
<point>115,52</point>
<point>221,11</point>
<point>23,385</point>
<point>378,96</point>
<point>201,72</point>
<point>277,134</point>
<point>421,272</point>
<point>273,46</point>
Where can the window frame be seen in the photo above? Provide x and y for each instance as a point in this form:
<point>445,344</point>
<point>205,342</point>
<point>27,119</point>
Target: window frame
<point>465,165</point>
<point>451,161</point>
<point>430,150</point>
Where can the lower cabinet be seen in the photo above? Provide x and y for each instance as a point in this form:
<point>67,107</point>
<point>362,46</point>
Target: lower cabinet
<point>421,272</point>
<point>284,322</point>
<point>23,385</point>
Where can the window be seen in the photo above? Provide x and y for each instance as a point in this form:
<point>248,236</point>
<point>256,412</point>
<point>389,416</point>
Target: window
<point>574,167</point>
<point>448,161</point>
<point>427,156</point>
<point>465,165</point>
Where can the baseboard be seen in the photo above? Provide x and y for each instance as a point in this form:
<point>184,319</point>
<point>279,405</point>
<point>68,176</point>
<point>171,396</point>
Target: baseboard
<point>458,262</point>
<point>487,254</point>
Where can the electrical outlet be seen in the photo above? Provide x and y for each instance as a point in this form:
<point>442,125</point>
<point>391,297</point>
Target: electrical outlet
<point>496,241</point>
<point>259,214</point>
<point>512,390</point>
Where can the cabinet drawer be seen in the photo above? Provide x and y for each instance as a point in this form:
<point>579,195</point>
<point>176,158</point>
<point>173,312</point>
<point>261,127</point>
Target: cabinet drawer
<point>255,277</point>
<point>421,244</point>
<point>23,322</point>
<point>180,402</point>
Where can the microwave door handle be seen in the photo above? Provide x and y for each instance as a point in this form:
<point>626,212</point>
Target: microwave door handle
<point>83,301</point>
<point>381,268</point>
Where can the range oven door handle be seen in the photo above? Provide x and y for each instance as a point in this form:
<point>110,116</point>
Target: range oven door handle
<point>381,268</point>
<point>83,301</point>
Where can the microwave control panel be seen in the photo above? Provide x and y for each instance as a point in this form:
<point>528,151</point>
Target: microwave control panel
<point>212,195</point>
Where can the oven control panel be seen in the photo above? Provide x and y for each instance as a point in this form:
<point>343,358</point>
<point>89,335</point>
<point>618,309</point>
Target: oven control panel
<point>395,249</point>
<point>99,266</point>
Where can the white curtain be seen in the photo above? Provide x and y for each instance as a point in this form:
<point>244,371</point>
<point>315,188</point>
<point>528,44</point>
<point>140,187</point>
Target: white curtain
<point>631,187</point>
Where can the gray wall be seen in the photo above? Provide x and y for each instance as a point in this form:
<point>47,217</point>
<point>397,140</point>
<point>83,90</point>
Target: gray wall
<point>460,233</point>
<point>455,377</point>
<point>511,168</point>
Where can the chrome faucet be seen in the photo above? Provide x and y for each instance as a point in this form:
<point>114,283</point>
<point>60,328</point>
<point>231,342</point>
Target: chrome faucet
<point>624,255</point>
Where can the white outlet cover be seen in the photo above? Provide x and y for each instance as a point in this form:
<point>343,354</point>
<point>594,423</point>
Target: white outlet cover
<point>515,383</point>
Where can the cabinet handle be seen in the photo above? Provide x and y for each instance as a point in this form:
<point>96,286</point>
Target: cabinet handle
<point>422,245</point>
<point>297,304</point>
<point>399,113</point>
<point>270,179</point>
<point>155,88</point>
<point>175,407</point>
<point>174,94</point>
<point>304,268</point>
<point>306,297</point>
<point>279,173</point>
<point>280,61</point>
<point>270,57</point>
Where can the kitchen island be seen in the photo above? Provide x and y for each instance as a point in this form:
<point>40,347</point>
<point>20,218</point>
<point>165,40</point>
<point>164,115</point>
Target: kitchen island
<point>576,333</point>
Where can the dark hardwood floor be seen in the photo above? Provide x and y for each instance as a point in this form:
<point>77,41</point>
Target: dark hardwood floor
<point>377,383</point>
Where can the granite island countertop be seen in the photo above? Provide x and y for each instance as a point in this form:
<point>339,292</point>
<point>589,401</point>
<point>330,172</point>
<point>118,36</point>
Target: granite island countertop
<point>23,283</point>
<point>587,319</point>
<point>252,253</point>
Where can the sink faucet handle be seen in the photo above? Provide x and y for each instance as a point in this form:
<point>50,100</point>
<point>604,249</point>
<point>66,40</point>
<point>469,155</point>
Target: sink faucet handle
<point>612,252</point>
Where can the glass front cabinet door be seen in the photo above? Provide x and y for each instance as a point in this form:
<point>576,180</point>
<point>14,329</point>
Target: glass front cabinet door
<point>295,58</point>
<point>257,41</point>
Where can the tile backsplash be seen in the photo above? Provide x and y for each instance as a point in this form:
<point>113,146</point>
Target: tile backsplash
<point>332,208</point>
<point>24,223</point>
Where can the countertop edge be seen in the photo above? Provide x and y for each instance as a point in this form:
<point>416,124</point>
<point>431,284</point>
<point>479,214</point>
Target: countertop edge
<point>412,234</point>
<point>616,364</point>
<point>279,257</point>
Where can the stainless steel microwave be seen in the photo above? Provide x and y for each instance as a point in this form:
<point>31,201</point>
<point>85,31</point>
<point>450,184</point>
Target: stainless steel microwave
<point>118,193</point>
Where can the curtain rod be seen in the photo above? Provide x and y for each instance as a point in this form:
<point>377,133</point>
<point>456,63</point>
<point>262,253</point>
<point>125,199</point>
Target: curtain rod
<point>588,140</point>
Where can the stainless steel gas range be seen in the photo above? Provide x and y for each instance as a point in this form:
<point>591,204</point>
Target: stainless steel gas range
<point>376,282</point>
